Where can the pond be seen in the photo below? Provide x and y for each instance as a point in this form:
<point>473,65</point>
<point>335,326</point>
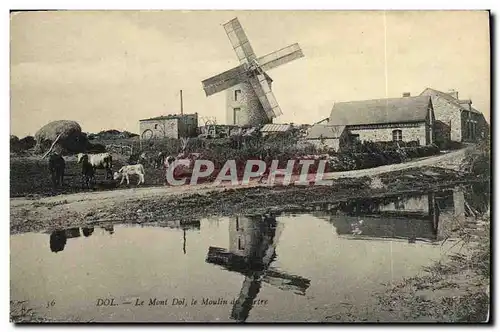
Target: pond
<point>261,268</point>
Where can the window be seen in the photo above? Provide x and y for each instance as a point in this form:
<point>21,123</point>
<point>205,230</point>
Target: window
<point>354,138</point>
<point>236,115</point>
<point>240,245</point>
<point>237,95</point>
<point>399,204</point>
<point>471,126</point>
<point>397,135</point>
<point>156,126</point>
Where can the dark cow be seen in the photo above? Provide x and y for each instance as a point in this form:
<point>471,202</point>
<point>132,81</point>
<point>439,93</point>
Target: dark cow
<point>56,168</point>
<point>88,172</point>
<point>57,241</point>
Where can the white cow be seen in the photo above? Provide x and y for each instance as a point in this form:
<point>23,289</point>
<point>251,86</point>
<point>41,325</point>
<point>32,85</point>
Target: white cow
<point>98,161</point>
<point>128,170</point>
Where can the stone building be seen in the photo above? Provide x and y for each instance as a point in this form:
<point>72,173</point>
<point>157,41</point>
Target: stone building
<point>171,126</point>
<point>243,107</point>
<point>406,119</point>
<point>456,119</point>
<point>328,137</point>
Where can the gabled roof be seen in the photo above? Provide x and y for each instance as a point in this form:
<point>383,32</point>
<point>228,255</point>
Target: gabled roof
<point>323,121</point>
<point>452,100</point>
<point>325,131</point>
<point>380,111</point>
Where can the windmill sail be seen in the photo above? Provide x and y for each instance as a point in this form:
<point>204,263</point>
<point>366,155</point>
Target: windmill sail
<point>225,80</point>
<point>251,72</point>
<point>265,95</point>
<point>239,40</point>
<point>280,57</point>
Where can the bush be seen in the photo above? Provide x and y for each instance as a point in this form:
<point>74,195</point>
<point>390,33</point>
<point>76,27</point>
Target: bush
<point>27,142</point>
<point>23,144</point>
<point>477,161</point>
<point>111,134</point>
<point>451,145</point>
<point>373,154</point>
<point>14,143</point>
<point>95,148</point>
<point>422,151</point>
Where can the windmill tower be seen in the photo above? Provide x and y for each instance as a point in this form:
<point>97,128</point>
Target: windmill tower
<point>249,99</point>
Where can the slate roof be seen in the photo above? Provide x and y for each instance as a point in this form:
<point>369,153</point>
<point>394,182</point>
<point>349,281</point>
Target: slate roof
<point>273,127</point>
<point>325,131</point>
<point>380,111</point>
<point>167,117</point>
<point>449,98</point>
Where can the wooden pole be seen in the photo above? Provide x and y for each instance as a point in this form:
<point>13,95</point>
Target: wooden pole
<point>182,109</point>
<point>184,240</point>
<point>52,146</point>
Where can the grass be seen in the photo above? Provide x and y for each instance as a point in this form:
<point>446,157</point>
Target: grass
<point>31,177</point>
<point>455,289</point>
<point>21,313</point>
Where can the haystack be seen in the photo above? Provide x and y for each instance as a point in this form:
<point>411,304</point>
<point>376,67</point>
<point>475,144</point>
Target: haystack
<point>71,140</point>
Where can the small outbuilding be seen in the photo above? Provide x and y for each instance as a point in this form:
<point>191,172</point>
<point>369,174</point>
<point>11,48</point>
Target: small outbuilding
<point>169,126</point>
<point>324,136</point>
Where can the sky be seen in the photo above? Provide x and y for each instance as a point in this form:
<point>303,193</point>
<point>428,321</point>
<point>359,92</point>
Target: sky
<point>109,69</point>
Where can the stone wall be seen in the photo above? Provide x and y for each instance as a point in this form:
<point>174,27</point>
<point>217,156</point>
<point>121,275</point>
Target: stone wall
<point>450,115</point>
<point>456,119</point>
<point>188,125</point>
<point>417,133</point>
<point>170,128</point>
<point>250,109</point>
<point>159,128</point>
<point>442,133</point>
<point>478,123</point>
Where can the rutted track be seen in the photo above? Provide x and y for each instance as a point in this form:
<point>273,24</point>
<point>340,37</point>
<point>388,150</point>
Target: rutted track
<point>209,199</point>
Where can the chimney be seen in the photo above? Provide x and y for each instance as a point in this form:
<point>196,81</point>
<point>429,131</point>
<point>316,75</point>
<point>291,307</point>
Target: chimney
<point>453,93</point>
<point>406,94</point>
<point>466,103</point>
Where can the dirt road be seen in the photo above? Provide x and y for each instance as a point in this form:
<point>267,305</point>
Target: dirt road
<point>71,209</point>
<point>448,160</point>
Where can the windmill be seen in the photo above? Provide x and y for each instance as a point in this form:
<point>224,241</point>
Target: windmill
<point>250,100</point>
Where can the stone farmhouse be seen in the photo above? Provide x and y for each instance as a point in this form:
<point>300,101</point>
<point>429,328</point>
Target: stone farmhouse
<point>406,119</point>
<point>456,119</point>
